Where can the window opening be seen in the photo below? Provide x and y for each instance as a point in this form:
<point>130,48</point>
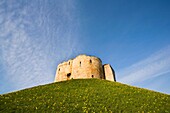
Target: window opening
<point>90,61</point>
<point>68,76</point>
<point>92,76</point>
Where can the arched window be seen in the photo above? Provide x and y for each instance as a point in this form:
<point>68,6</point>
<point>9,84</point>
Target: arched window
<point>69,63</point>
<point>92,76</point>
<point>59,69</point>
<point>90,61</point>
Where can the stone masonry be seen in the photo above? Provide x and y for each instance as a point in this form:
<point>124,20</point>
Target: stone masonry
<point>84,67</point>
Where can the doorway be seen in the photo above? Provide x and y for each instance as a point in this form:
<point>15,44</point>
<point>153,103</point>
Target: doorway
<point>92,76</point>
<point>68,76</point>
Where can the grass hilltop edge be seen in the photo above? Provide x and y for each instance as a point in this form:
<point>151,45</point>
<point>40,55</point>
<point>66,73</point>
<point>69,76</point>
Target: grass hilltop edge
<point>85,95</point>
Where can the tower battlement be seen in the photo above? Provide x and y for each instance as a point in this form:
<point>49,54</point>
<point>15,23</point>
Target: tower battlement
<point>84,67</point>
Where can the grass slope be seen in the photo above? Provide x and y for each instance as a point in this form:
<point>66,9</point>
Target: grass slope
<point>92,95</point>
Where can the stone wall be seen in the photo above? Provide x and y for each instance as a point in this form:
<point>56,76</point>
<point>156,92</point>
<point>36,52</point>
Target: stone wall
<point>83,67</point>
<point>109,72</point>
<point>87,67</point>
<point>63,70</point>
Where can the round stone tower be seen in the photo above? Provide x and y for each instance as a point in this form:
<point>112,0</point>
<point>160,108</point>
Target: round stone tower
<point>87,67</point>
<point>82,66</point>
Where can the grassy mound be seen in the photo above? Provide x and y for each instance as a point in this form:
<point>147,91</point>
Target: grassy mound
<point>88,95</point>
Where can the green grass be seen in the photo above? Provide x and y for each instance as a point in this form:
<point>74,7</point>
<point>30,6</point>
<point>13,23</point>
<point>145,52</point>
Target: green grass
<point>88,95</point>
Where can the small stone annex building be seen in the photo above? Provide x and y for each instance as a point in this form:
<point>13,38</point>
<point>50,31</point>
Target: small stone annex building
<point>83,67</point>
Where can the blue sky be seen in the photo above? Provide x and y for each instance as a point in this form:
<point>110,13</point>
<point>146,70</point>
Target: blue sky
<point>133,36</point>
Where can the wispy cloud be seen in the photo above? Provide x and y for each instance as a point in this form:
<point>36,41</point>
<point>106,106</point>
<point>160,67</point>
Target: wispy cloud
<point>155,65</point>
<point>34,36</point>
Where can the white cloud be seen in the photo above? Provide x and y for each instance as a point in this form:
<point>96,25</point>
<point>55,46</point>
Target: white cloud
<point>33,37</point>
<point>155,65</point>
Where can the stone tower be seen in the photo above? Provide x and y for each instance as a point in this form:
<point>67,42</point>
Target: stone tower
<point>83,67</point>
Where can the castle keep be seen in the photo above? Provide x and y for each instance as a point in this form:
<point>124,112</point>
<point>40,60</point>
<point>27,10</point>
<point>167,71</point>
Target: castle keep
<point>83,67</point>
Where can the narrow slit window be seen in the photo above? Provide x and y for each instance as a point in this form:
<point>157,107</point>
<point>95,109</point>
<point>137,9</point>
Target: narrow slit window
<point>80,64</point>
<point>90,61</point>
<point>92,76</point>
<point>59,70</point>
<point>69,63</point>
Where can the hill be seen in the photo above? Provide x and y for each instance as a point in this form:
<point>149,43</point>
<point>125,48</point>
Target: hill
<point>92,95</point>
